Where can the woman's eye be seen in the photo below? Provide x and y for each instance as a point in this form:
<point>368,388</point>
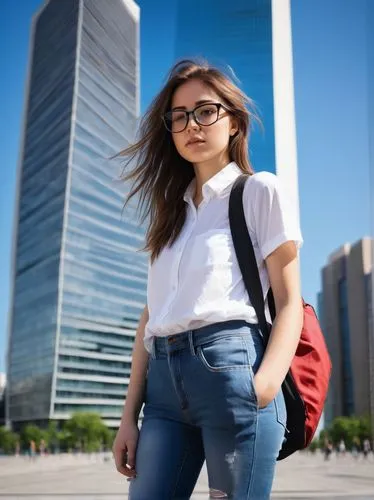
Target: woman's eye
<point>206,112</point>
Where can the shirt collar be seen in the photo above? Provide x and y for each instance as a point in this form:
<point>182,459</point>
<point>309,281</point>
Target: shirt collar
<point>216,184</point>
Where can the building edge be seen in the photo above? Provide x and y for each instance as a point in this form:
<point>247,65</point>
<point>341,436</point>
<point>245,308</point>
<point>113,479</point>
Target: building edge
<point>284,100</point>
<point>66,206</point>
<point>370,121</point>
<point>133,9</point>
<point>12,272</point>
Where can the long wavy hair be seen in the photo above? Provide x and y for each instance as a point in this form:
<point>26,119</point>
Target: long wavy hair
<point>161,176</point>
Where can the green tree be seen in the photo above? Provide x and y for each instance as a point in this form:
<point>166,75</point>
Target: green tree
<point>52,436</point>
<point>108,438</point>
<point>87,431</point>
<point>66,441</point>
<point>323,435</point>
<point>8,440</point>
<point>314,445</point>
<point>347,428</point>
<point>365,430</point>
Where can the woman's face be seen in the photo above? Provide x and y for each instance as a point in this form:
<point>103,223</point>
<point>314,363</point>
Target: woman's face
<point>199,143</point>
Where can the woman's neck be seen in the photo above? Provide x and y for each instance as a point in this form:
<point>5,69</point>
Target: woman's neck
<point>205,171</point>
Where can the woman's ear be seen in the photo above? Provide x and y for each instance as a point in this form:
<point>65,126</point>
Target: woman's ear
<point>233,127</point>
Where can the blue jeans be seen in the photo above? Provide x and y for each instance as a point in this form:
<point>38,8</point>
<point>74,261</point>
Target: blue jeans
<point>201,405</point>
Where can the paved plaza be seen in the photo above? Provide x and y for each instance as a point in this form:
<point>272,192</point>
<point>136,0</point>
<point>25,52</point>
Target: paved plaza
<point>94,477</point>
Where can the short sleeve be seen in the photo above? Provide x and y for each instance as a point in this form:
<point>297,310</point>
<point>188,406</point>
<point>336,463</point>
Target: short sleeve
<point>273,218</point>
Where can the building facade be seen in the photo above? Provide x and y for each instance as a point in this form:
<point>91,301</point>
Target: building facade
<point>79,284</point>
<point>346,321</point>
<point>251,40</point>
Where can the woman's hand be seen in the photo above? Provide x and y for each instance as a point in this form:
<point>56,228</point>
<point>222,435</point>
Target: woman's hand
<point>124,448</point>
<point>264,392</point>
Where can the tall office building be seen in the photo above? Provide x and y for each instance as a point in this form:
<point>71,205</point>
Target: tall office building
<point>78,283</point>
<point>346,305</point>
<point>253,39</point>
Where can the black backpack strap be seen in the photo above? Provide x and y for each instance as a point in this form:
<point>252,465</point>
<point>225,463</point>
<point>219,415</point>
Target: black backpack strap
<point>246,255</point>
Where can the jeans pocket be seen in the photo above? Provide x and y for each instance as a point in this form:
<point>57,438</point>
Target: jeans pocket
<point>252,387</point>
<point>224,354</point>
<point>280,409</point>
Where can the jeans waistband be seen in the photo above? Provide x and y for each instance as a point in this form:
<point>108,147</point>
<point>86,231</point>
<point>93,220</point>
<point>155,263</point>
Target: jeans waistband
<point>193,338</point>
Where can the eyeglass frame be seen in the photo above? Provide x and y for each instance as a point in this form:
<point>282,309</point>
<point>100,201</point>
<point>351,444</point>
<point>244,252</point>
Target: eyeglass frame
<point>219,105</point>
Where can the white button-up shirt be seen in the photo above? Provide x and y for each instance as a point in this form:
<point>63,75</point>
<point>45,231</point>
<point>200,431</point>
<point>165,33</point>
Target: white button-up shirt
<point>197,281</point>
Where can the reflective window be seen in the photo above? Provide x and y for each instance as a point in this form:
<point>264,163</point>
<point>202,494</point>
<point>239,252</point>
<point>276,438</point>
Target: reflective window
<point>104,410</point>
<point>238,35</point>
<point>348,402</point>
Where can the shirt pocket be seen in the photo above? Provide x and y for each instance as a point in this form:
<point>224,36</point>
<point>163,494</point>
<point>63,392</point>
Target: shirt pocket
<point>212,249</point>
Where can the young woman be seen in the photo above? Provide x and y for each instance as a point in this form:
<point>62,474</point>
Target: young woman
<point>210,391</point>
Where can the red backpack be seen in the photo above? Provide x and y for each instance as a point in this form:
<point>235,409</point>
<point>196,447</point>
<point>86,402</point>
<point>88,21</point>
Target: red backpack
<point>306,383</point>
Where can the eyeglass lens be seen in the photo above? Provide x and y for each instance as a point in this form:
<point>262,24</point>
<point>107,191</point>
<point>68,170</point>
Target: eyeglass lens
<point>205,115</point>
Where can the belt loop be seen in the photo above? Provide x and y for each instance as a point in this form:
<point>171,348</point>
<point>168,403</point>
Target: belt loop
<point>190,341</point>
<point>153,350</point>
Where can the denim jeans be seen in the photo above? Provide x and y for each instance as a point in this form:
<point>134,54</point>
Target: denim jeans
<point>201,405</point>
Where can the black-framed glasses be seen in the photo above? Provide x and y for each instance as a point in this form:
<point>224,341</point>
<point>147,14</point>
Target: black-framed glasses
<point>205,114</point>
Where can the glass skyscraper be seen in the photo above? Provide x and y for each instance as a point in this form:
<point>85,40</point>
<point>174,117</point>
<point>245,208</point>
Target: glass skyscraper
<point>253,39</point>
<point>79,284</point>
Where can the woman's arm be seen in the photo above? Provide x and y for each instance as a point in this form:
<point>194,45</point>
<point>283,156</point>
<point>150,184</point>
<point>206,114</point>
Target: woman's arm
<point>126,440</point>
<point>135,393</point>
<point>283,269</point>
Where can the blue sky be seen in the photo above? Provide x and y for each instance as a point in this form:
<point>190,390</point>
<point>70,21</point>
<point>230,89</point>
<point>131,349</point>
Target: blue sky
<point>331,92</point>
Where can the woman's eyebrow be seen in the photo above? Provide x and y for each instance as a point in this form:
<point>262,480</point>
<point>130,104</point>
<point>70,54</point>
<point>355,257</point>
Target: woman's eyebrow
<point>203,101</point>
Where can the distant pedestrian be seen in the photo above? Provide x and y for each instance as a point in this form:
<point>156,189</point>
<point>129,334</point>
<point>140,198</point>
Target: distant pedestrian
<point>356,448</point>
<point>32,449</point>
<point>328,449</point>
<point>342,447</point>
<point>366,448</point>
<point>42,447</point>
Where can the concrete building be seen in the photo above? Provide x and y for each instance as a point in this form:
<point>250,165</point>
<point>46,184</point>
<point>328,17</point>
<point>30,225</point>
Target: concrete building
<point>78,284</point>
<point>345,302</point>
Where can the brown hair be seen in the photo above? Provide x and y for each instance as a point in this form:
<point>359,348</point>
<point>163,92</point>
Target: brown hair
<point>161,176</point>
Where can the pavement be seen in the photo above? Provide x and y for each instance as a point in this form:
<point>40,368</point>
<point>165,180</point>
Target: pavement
<point>82,477</point>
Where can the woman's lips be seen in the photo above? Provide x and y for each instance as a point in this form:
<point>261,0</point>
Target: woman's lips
<point>195,143</point>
